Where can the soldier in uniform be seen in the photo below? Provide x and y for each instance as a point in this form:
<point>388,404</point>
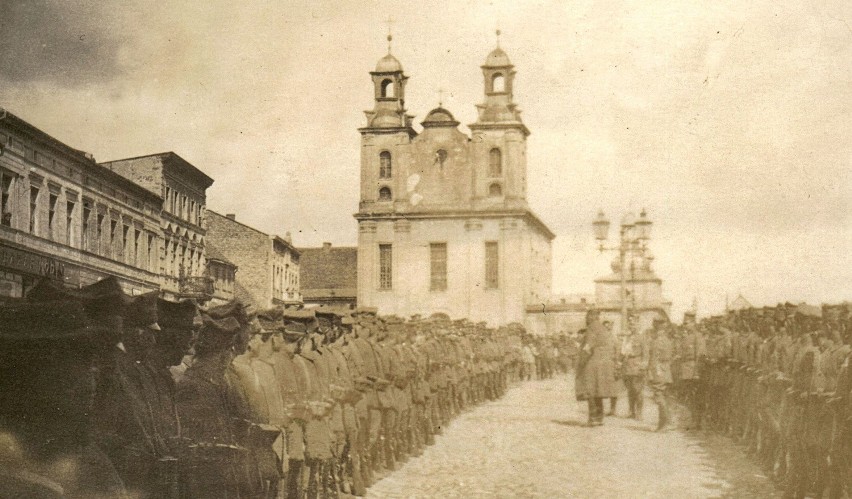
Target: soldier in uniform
<point>660,354</point>
<point>201,397</point>
<point>634,364</point>
<point>127,428</point>
<point>46,382</point>
<point>692,352</point>
<point>596,374</point>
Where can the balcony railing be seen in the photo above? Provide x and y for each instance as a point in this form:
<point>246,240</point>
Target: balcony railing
<point>198,287</point>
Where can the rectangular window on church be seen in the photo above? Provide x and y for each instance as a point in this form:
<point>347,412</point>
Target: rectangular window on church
<point>385,266</point>
<point>438,259</point>
<point>492,275</point>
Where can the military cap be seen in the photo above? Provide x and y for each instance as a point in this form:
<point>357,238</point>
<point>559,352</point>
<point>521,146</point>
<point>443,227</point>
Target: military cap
<point>47,290</point>
<point>295,328</point>
<point>48,320</point>
<point>104,297</point>
<point>233,308</point>
<point>141,311</point>
<point>218,335</point>
<point>176,315</point>
<point>305,315</point>
<point>270,320</point>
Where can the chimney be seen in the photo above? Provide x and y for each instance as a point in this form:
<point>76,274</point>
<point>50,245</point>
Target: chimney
<point>326,246</point>
<point>231,216</point>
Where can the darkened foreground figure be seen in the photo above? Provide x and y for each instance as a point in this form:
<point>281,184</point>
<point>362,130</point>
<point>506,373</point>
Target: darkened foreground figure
<point>104,395</point>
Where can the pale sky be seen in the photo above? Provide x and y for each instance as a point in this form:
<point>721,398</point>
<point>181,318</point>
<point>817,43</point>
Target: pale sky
<point>729,120</point>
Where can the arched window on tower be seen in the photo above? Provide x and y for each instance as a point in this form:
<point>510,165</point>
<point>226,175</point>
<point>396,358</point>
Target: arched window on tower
<point>385,194</point>
<point>498,83</point>
<point>495,163</point>
<point>495,190</point>
<point>387,88</point>
<point>385,165</point>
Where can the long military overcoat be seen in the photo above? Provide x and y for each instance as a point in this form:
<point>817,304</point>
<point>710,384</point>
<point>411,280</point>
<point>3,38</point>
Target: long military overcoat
<point>596,373</point>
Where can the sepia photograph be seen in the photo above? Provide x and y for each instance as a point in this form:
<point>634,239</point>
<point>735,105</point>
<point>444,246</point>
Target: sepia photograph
<point>289,249</point>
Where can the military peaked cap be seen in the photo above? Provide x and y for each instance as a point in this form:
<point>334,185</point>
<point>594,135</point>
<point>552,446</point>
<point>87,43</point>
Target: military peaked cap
<point>47,290</point>
<point>217,335</point>
<point>141,311</point>
<point>233,308</point>
<point>176,315</point>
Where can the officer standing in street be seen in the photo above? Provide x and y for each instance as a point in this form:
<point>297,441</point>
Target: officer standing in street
<point>634,364</point>
<point>660,370</point>
<point>692,352</point>
<point>596,373</point>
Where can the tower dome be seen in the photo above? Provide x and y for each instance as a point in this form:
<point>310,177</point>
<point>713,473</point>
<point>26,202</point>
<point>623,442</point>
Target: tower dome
<point>439,117</point>
<point>497,59</point>
<point>388,64</point>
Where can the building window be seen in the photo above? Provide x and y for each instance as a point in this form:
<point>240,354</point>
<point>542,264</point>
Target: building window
<point>441,157</point>
<point>136,235</point>
<point>87,213</point>
<point>100,234</point>
<point>151,253</point>
<point>387,88</point>
<point>69,218</point>
<point>51,212</point>
<point>385,165</point>
<point>495,190</point>
<point>113,227</point>
<point>33,208</point>
<point>438,263</point>
<point>385,266</point>
<point>385,194</point>
<point>125,238</point>
<point>5,199</point>
<point>495,163</point>
<point>492,266</point>
<point>498,83</point>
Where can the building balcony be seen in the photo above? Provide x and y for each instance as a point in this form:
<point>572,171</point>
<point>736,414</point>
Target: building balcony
<point>196,287</point>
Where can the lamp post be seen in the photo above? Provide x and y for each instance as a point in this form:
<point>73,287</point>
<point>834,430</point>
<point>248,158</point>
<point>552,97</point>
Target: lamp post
<point>633,242</point>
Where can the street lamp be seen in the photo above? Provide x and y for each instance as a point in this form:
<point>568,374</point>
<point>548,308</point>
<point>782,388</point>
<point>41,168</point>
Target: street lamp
<point>633,238</point>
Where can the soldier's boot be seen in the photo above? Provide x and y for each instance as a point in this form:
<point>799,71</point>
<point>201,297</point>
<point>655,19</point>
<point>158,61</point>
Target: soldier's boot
<point>390,453</point>
<point>359,487</point>
<point>293,488</point>
<point>331,479</point>
<point>613,402</point>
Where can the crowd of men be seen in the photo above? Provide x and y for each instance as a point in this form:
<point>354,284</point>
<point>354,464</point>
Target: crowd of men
<point>777,379</point>
<point>105,395</point>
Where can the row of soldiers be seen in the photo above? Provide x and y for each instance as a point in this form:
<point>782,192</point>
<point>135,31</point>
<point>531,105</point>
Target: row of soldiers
<point>108,395</point>
<point>779,380</point>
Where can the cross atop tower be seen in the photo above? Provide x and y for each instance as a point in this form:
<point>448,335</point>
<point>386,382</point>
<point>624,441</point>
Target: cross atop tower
<point>498,33</point>
<point>440,97</point>
<point>390,21</point>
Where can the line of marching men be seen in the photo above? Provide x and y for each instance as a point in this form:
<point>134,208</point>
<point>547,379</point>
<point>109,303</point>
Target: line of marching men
<point>106,395</point>
<point>779,380</point>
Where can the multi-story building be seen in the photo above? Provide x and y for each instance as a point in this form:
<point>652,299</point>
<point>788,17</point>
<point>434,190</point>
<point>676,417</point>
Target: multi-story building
<point>444,225</point>
<point>183,188</point>
<point>329,275</point>
<point>64,217</point>
<point>223,273</point>
<point>268,266</point>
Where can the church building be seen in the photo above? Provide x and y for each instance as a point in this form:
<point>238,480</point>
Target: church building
<point>444,224</point>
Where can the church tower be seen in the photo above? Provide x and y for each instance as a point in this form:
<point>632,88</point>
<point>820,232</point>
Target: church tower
<point>443,222</point>
<point>499,137</point>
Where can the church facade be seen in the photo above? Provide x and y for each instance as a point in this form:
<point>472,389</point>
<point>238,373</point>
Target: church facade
<point>444,224</point>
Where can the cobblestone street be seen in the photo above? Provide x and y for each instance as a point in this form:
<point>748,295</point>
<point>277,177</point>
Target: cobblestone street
<point>532,443</point>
